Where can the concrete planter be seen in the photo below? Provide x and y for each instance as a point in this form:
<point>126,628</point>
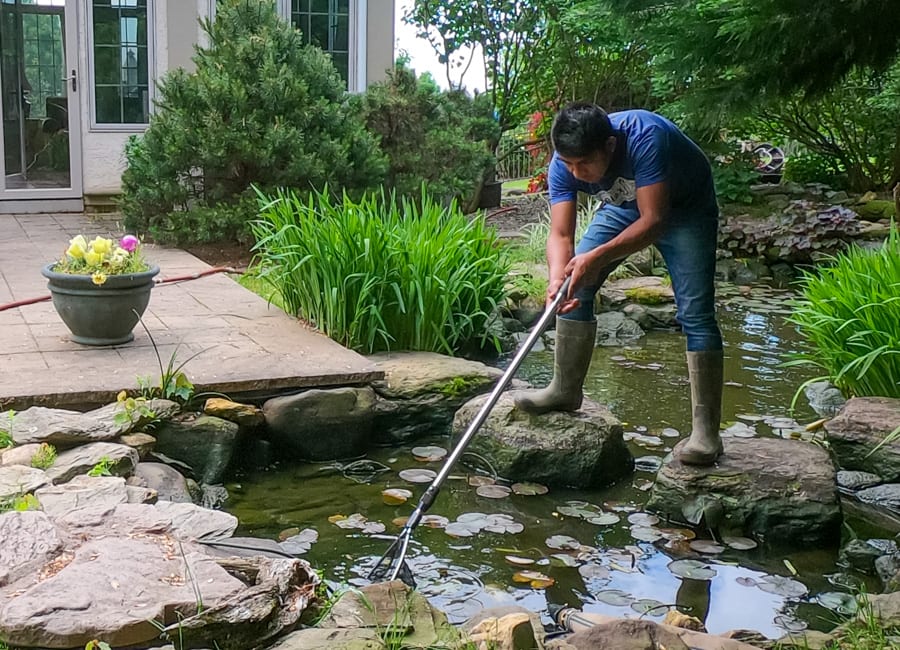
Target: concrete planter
<point>100,314</point>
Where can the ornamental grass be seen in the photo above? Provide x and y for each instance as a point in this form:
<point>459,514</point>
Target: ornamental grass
<point>381,273</point>
<point>850,314</point>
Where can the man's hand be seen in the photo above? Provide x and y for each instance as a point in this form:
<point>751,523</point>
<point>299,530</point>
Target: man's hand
<point>566,305</point>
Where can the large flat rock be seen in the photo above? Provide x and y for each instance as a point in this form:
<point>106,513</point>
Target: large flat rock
<point>782,491</point>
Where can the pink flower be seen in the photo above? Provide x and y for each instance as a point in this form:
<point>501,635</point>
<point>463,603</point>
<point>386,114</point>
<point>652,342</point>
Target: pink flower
<point>129,243</point>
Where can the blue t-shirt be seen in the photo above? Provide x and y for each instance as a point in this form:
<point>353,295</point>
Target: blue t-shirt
<point>651,149</point>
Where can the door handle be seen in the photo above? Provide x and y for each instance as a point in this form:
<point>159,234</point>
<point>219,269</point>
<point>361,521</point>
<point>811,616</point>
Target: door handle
<point>74,79</point>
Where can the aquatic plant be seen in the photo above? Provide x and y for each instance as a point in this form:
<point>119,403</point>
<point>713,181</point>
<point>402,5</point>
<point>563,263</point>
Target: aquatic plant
<point>44,457</point>
<point>850,313</point>
<point>382,273</point>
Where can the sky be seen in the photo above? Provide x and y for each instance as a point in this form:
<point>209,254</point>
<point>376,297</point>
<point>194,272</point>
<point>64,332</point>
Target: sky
<point>423,58</point>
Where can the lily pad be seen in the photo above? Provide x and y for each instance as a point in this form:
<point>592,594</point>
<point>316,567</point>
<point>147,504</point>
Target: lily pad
<point>493,491</point>
<point>589,512</point>
<point>649,607</point>
<point>707,547</point>
<point>535,579</point>
<point>434,521</point>
<point>781,586</point>
<point>429,454</point>
<point>647,464</point>
<point>739,543</point>
<point>288,532</point>
<point>614,597</point>
<point>669,432</point>
<point>477,480</point>
<point>418,475</point>
<point>468,517</point>
<point>358,521</point>
<point>678,534</point>
<point>399,521</point>
<point>563,542</point>
<point>459,529</point>
<point>604,519</point>
<point>646,533</point>
<point>593,571</point>
<point>395,496</point>
<point>301,542</point>
<point>529,489</point>
<point>563,560</point>
<point>746,581</point>
<point>518,560</point>
<point>643,519</point>
<point>839,602</point>
<point>790,624</point>
<point>692,569</point>
<point>740,430</point>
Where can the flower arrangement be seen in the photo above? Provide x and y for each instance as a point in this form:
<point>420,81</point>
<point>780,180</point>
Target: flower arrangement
<point>102,257</point>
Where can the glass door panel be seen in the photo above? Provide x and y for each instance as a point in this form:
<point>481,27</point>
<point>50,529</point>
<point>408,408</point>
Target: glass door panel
<point>37,94</point>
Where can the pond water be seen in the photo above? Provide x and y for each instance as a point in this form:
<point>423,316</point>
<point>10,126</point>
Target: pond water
<point>618,570</point>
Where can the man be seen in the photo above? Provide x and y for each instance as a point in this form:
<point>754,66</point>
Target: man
<point>657,188</point>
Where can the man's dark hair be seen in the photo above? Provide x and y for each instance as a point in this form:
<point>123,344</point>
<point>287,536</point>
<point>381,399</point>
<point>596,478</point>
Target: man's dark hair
<point>580,129</point>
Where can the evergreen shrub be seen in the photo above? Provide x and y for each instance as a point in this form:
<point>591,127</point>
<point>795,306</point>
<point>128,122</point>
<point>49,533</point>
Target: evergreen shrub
<point>261,109</point>
<point>441,138</point>
<point>382,272</point>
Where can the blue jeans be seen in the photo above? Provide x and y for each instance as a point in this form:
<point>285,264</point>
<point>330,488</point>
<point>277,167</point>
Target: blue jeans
<point>688,245</point>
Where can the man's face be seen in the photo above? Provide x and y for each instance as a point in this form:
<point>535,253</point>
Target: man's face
<point>593,167</point>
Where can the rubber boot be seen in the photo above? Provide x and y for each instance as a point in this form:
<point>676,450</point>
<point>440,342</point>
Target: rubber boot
<point>705,443</point>
<point>574,347</point>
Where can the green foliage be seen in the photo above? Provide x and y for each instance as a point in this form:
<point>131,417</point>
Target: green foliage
<point>102,468</point>
<point>458,386</point>
<point>6,439</point>
<point>44,457</point>
<point>19,503</point>
<point>261,108</point>
<point>97,645</point>
<point>382,273</point>
<point>173,383</point>
<point>810,167</point>
<point>733,179</point>
<point>855,127</point>
<point>132,409</point>
<point>430,136</point>
<point>850,313</point>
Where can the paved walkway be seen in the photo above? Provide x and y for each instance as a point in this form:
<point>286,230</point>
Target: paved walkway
<point>243,346</point>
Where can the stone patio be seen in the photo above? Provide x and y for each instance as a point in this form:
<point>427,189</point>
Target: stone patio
<point>242,345</point>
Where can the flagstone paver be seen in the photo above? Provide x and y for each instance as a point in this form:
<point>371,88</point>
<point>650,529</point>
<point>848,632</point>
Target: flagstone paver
<point>242,345</point>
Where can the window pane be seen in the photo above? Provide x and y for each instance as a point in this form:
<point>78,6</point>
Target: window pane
<point>121,61</point>
<point>341,34</point>
<point>341,63</point>
<point>299,6</point>
<point>343,6</point>
<point>109,104</point>
<point>319,6</point>
<point>318,31</point>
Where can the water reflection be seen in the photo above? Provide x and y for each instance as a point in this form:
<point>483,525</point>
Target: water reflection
<point>645,386</point>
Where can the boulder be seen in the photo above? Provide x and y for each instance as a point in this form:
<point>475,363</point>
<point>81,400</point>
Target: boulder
<point>883,496</point>
<point>168,483</point>
<point>580,449</point>
<point>887,567</point>
<point>622,634</point>
<point>190,521</point>
<point>133,582</point>
<point>142,442</point>
<point>615,293</point>
<point>851,480</point>
<point>861,554</point>
<point>824,398</point>
<point>779,490</point>
<point>421,391</point>
<point>859,428</point>
<point>19,455</point>
<point>506,628</point>
<point>331,639</point>
<point>16,480</point>
<point>119,460</point>
<point>244,415</point>
<point>81,492</point>
<point>321,424</point>
<point>204,443</point>
<point>63,428</point>
<point>30,540</point>
<point>613,328</point>
<point>652,317</point>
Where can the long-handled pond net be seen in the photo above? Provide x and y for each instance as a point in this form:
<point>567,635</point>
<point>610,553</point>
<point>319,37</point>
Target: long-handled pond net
<point>392,564</point>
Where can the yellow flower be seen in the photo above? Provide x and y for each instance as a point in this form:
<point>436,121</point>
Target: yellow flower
<point>93,258</point>
<point>77,246</point>
<point>101,245</point>
<point>98,278</point>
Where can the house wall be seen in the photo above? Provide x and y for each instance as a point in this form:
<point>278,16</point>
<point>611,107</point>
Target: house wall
<point>379,40</point>
<point>175,29</point>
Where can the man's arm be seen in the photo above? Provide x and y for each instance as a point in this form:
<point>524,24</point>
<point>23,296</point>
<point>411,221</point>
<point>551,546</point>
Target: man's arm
<point>653,205</point>
<point>560,243</point>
